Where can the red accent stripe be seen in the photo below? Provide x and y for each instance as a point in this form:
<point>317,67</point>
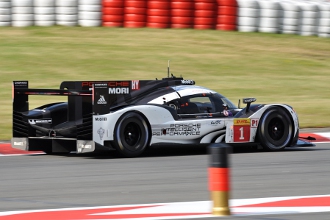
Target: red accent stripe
<point>6,149</point>
<point>300,202</point>
<point>90,214</point>
<point>318,138</point>
<point>218,179</point>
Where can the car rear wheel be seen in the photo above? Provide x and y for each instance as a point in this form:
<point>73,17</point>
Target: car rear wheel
<point>275,129</point>
<point>131,135</point>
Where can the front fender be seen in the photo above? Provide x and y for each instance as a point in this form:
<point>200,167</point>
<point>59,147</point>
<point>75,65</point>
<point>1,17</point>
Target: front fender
<point>255,114</point>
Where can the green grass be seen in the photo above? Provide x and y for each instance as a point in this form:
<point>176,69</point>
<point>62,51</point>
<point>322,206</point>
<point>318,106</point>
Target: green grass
<point>273,68</point>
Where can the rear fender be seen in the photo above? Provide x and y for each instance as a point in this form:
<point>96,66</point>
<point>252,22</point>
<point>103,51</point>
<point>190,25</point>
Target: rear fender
<point>104,125</point>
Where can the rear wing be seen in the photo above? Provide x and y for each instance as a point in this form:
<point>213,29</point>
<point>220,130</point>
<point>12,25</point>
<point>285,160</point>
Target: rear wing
<point>83,99</point>
<point>78,96</point>
<point>79,105</point>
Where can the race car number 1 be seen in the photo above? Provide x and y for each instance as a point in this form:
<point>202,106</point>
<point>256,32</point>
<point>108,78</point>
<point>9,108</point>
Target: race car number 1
<point>241,129</point>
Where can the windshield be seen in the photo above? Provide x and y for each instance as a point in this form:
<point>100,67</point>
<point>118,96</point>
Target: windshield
<point>224,100</point>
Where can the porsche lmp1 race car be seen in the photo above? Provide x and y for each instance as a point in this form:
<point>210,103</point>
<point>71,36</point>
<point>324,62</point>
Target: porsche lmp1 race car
<point>130,115</point>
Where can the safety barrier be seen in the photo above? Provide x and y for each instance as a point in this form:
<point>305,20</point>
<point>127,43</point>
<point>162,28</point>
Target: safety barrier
<point>303,17</point>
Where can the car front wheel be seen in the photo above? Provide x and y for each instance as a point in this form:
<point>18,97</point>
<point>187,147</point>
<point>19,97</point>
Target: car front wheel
<point>275,129</point>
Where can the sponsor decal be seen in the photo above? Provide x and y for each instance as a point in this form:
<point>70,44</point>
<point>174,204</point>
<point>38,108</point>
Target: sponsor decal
<point>120,87</point>
<point>156,133</point>
<point>110,84</point>
<point>187,82</point>
<point>135,84</point>
<point>101,119</point>
<point>101,100</point>
<point>40,121</point>
<point>118,84</point>
<point>118,90</point>
<point>18,143</point>
<point>101,85</point>
<point>180,130</point>
<point>88,84</point>
<point>216,122</point>
<point>241,121</point>
<point>254,122</point>
<point>249,100</point>
<point>20,83</point>
<point>101,132</point>
<point>241,130</point>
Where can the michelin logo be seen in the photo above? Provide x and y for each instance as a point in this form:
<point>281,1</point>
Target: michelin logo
<point>40,121</point>
<point>101,100</point>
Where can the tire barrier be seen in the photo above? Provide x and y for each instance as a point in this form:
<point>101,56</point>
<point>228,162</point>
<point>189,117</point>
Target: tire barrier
<point>308,19</point>
<point>22,13</point>
<point>227,15</point>
<point>219,178</point>
<point>269,16</point>
<point>159,14</point>
<point>303,17</point>
<point>89,13</point>
<point>289,21</point>
<point>247,15</point>
<point>182,14</point>
<point>44,12</point>
<point>324,20</point>
<point>205,14</point>
<point>67,12</point>
<point>135,13</point>
<point>5,13</point>
<point>113,13</point>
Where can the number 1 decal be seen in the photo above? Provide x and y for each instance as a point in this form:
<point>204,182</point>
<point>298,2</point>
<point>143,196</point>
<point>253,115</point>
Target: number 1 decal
<point>242,133</point>
<point>241,130</point>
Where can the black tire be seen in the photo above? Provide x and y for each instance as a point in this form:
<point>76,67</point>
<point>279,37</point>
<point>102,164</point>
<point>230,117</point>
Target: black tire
<point>131,135</point>
<point>275,130</point>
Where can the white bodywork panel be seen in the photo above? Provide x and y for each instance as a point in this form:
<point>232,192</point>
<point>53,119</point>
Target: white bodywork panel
<point>181,91</point>
<point>164,129</point>
<point>165,98</point>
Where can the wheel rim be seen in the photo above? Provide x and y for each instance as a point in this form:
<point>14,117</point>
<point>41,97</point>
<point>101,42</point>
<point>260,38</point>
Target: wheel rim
<point>132,134</point>
<point>276,129</point>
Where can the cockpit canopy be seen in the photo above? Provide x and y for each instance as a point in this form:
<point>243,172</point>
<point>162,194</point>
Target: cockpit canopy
<point>189,99</point>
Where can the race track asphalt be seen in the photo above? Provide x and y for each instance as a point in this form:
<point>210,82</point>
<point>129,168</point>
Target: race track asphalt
<point>161,175</point>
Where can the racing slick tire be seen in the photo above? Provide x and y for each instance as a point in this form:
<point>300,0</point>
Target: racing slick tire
<point>131,135</point>
<point>275,130</point>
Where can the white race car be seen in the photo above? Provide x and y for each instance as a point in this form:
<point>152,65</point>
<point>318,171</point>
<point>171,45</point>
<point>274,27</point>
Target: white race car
<point>130,115</point>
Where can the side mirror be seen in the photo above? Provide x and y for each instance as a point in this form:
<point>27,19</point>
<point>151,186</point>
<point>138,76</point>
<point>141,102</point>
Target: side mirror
<point>248,102</point>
